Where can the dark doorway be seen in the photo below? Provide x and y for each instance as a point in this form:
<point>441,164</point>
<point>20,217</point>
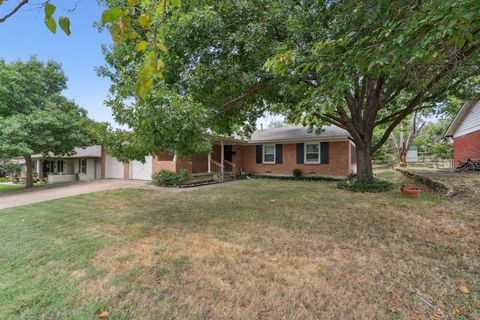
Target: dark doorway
<point>46,168</point>
<point>227,152</point>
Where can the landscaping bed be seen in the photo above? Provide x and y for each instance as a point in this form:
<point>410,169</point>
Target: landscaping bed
<point>446,181</point>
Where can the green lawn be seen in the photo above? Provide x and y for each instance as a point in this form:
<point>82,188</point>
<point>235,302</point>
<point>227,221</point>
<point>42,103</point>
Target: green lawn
<point>4,188</point>
<point>258,249</point>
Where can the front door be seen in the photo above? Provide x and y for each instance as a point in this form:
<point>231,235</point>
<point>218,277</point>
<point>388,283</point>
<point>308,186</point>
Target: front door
<point>47,168</point>
<point>227,152</point>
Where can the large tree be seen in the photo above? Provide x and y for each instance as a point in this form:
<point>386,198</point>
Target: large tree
<point>34,117</point>
<point>355,64</point>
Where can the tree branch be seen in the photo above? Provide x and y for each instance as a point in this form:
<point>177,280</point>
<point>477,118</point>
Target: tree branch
<point>14,10</point>
<point>418,98</point>
<point>238,100</point>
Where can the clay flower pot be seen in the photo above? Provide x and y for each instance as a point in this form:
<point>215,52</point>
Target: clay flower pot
<point>410,191</point>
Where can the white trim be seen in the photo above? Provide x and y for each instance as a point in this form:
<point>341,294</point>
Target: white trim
<point>305,153</point>
<point>274,153</point>
<point>80,166</point>
<point>465,110</point>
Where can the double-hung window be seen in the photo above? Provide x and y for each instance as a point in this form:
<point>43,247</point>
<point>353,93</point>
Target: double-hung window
<point>312,153</point>
<point>60,166</point>
<point>82,166</point>
<point>268,153</point>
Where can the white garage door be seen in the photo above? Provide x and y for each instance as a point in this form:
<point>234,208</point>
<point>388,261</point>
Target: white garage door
<point>141,171</point>
<point>113,168</point>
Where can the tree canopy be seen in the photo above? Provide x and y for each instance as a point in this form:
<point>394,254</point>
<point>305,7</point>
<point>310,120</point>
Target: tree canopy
<point>355,64</point>
<point>34,117</point>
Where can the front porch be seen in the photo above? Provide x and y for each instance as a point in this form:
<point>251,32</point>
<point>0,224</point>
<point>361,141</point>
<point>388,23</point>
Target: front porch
<point>221,164</point>
<point>60,170</point>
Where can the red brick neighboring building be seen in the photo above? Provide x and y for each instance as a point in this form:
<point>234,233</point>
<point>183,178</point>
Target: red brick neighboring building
<point>465,131</point>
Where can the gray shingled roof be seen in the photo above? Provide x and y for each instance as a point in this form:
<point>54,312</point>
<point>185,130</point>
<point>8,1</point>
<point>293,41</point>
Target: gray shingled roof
<point>298,133</point>
<point>94,151</point>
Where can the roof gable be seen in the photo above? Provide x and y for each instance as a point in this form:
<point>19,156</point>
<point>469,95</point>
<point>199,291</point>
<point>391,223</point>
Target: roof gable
<point>467,119</point>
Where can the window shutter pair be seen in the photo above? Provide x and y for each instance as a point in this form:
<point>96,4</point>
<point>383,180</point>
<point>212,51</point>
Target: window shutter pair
<point>324,153</point>
<point>278,153</point>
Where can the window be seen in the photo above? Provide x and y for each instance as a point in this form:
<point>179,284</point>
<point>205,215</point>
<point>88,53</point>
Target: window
<point>82,166</point>
<point>312,153</point>
<point>269,153</point>
<point>60,166</point>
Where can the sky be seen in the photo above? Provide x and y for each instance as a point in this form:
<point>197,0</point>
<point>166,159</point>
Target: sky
<point>25,34</point>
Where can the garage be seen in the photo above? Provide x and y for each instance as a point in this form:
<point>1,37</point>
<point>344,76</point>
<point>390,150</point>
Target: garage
<point>141,170</point>
<point>113,168</point>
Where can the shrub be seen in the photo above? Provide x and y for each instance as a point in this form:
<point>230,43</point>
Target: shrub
<point>170,179</point>
<point>297,173</point>
<point>373,185</point>
<point>241,176</point>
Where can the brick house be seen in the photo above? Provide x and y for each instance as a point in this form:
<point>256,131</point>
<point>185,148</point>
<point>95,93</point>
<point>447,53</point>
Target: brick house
<point>465,131</point>
<point>272,152</point>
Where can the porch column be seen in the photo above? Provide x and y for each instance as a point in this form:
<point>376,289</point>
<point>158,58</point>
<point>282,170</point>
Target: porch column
<point>209,162</point>
<point>222,157</point>
<point>39,169</point>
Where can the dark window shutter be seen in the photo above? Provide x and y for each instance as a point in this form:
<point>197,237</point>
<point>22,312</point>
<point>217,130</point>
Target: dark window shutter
<point>278,153</point>
<point>259,153</point>
<point>300,153</point>
<point>324,146</point>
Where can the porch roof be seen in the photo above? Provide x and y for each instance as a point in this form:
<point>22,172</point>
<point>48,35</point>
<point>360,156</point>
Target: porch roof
<point>94,151</point>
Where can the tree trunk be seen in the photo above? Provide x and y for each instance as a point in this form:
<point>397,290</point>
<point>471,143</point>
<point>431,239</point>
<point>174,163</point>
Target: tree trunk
<point>403,158</point>
<point>364,162</point>
<point>28,163</point>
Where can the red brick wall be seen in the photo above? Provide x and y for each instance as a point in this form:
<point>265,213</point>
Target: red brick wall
<point>163,162</point>
<point>467,146</point>
<point>184,165</point>
<point>338,164</point>
<point>199,163</point>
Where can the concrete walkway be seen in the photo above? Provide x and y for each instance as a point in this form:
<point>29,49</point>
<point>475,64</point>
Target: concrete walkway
<point>29,197</point>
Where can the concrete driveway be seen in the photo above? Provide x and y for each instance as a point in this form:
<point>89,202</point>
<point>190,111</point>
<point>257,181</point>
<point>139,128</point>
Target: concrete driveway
<point>35,196</point>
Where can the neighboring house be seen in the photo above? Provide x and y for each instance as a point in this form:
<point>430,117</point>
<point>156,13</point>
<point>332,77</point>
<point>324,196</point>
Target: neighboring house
<point>269,152</point>
<point>465,131</point>
<point>86,163</point>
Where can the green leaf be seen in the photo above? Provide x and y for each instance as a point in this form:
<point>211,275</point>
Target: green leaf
<point>460,43</point>
<point>49,10</point>
<point>143,87</point>
<point>469,36</point>
<point>141,46</point>
<point>64,23</point>
<point>51,24</point>
<point>111,15</point>
<point>144,21</point>
<point>162,47</point>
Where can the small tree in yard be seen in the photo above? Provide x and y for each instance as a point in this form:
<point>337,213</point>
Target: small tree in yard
<point>403,137</point>
<point>34,117</point>
<point>359,65</point>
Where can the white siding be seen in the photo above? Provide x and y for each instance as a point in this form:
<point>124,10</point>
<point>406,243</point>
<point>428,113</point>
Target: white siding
<point>141,171</point>
<point>113,168</point>
<point>92,172</point>
<point>412,155</point>
<point>471,123</point>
